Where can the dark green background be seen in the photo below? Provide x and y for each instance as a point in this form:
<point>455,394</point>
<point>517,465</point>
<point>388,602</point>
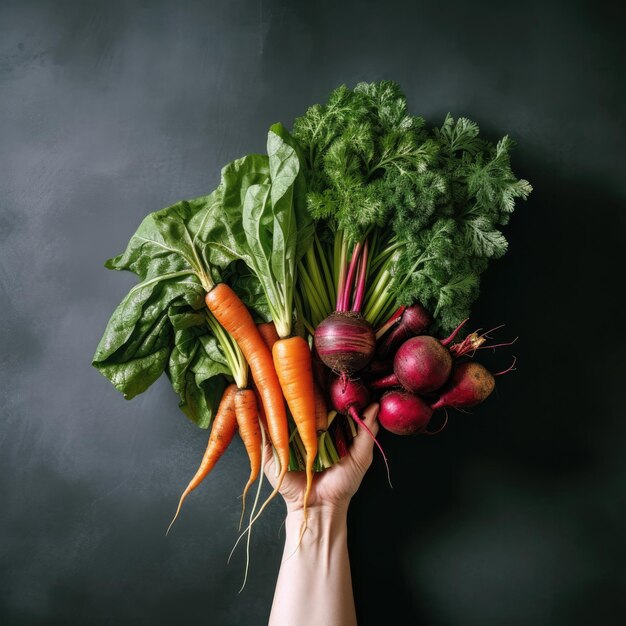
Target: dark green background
<point>108,110</point>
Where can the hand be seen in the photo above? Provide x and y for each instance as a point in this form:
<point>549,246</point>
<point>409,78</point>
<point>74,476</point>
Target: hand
<point>335,486</point>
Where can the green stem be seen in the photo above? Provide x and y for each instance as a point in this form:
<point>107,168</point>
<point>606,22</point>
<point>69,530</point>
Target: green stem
<point>317,280</point>
<point>232,353</point>
<point>317,311</point>
<point>330,283</point>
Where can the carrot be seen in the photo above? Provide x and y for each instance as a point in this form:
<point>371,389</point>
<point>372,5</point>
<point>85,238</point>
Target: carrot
<point>269,333</point>
<point>247,412</point>
<point>234,316</point>
<point>270,337</point>
<point>292,360</point>
<point>222,433</point>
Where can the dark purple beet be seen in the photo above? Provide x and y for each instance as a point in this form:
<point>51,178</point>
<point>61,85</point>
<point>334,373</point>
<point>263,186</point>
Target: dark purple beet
<point>403,413</point>
<point>414,320</point>
<point>345,342</point>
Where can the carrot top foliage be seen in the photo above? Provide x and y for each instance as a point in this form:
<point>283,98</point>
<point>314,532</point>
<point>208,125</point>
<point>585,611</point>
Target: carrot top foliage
<point>436,195</point>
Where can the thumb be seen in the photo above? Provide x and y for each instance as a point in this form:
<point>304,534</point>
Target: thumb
<point>363,444</point>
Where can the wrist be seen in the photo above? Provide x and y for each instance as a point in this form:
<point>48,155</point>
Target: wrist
<point>322,512</point>
<point>322,522</point>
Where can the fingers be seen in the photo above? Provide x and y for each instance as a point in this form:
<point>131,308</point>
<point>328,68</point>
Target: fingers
<point>362,446</point>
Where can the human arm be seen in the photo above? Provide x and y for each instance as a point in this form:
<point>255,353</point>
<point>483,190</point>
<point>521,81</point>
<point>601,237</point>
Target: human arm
<point>314,583</point>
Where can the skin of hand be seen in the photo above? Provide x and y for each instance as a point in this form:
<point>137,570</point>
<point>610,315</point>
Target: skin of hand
<point>335,486</point>
<point>314,584</point>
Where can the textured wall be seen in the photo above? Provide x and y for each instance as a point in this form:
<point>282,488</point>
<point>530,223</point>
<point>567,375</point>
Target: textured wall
<point>109,110</point>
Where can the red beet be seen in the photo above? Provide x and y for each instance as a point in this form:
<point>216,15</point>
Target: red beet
<point>345,342</point>
<point>414,320</point>
<point>421,365</point>
<point>471,383</point>
<point>350,397</point>
<point>403,413</point>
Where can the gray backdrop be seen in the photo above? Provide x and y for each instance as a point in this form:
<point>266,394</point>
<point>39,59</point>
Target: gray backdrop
<point>112,109</point>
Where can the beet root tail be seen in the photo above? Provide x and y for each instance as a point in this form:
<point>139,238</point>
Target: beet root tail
<point>354,414</point>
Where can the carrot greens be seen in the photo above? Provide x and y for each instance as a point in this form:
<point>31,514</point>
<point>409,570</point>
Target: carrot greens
<point>437,197</point>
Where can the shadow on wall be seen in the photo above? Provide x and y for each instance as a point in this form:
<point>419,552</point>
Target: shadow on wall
<point>510,515</point>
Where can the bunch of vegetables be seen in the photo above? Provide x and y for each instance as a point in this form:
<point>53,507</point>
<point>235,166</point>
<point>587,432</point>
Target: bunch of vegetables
<point>316,278</point>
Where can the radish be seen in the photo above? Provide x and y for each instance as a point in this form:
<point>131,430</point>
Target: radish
<point>403,413</point>
<point>422,364</point>
<point>413,320</point>
<point>470,384</point>
<point>349,397</point>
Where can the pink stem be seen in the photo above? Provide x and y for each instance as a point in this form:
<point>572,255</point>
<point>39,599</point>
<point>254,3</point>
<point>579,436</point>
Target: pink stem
<point>448,340</point>
<point>341,280</point>
<point>394,319</point>
<point>361,279</point>
<point>345,303</point>
<point>354,414</point>
<point>511,368</point>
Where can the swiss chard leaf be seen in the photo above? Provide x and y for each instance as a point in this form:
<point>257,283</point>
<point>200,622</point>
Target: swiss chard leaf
<point>196,369</point>
<point>164,242</point>
<point>135,345</point>
<point>158,325</point>
<point>272,230</point>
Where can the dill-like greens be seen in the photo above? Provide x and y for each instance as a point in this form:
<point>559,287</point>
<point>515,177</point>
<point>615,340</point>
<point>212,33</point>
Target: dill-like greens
<point>437,197</point>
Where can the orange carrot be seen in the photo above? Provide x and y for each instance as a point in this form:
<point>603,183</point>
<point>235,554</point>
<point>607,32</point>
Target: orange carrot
<point>269,333</point>
<point>247,412</point>
<point>234,316</point>
<point>222,433</point>
<point>270,337</point>
<point>292,360</point>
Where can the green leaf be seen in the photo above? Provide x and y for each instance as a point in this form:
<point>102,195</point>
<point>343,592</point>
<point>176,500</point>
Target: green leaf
<point>201,402</point>
<point>222,235</point>
<point>196,367</point>
<point>482,239</point>
<point>135,346</point>
<point>164,242</point>
<point>257,222</point>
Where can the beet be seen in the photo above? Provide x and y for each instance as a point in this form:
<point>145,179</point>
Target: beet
<point>350,397</point>
<point>414,320</point>
<point>345,342</point>
<point>403,413</point>
<point>470,384</point>
<point>421,365</point>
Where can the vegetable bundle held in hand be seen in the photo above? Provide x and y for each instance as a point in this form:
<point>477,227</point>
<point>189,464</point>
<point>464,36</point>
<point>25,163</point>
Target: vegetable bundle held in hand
<point>358,240</point>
